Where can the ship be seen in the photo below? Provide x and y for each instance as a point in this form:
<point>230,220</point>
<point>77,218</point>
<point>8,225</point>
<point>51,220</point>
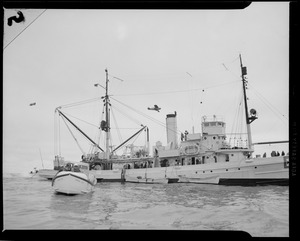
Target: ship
<point>202,158</point>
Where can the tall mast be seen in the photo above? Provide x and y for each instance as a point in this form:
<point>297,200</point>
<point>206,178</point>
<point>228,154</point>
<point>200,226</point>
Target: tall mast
<point>107,117</point>
<point>253,114</point>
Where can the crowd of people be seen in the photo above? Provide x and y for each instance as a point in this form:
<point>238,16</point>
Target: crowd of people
<point>274,153</point>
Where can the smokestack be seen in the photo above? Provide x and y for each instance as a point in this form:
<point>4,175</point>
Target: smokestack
<point>171,122</point>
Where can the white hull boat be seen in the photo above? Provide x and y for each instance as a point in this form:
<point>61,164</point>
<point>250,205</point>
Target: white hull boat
<point>68,182</point>
<point>140,179</point>
<point>149,180</point>
<point>196,179</point>
<point>73,182</point>
<point>205,158</point>
<point>47,173</point>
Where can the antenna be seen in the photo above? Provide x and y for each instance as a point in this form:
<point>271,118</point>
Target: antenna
<point>41,158</point>
<point>249,120</point>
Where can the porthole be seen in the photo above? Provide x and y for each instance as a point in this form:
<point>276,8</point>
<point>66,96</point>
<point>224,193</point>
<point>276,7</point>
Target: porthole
<point>226,170</point>
<point>214,137</point>
<point>203,171</point>
<point>210,170</point>
<point>239,168</point>
<point>196,172</point>
<point>255,167</point>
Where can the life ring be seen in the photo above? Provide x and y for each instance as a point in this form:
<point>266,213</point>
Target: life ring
<point>191,150</point>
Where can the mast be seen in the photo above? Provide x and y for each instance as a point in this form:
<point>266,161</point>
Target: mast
<point>250,119</point>
<point>107,153</point>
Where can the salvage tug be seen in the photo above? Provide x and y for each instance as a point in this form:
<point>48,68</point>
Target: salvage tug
<point>204,158</point>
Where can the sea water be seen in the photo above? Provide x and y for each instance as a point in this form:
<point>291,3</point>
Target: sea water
<point>31,203</point>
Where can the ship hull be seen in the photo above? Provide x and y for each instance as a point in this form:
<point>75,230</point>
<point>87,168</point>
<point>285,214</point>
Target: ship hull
<point>250,172</point>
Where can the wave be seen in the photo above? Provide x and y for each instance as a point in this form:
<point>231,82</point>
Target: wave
<point>17,175</point>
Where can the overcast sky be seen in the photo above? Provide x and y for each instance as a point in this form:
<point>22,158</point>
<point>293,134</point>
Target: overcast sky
<point>182,60</point>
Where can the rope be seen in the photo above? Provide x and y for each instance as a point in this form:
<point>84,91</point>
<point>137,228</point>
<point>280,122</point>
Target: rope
<point>24,29</point>
<point>178,91</point>
<point>128,116</point>
<point>73,136</point>
<point>146,116</point>
<point>236,117</point>
<point>268,104</point>
<point>81,120</point>
<point>80,102</point>
<point>118,130</point>
<point>59,144</point>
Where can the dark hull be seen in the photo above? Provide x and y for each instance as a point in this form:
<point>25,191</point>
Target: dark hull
<point>170,180</point>
<point>254,182</point>
<point>109,180</point>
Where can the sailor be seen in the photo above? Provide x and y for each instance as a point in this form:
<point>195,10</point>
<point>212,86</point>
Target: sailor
<point>282,153</point>
<point>68,167</point>
<point>185,134</point>
<point>76,168</point>
<point>265,154</point>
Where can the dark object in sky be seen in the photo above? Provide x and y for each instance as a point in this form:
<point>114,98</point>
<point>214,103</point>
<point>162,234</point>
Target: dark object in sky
<point>31,104</point>
<point>155,108</point>
<point>18,19</point>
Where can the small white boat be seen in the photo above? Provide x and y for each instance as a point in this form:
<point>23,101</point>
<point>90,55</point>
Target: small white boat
<point>214,179</point>
<point>74,179</point>
<point>139,179</point>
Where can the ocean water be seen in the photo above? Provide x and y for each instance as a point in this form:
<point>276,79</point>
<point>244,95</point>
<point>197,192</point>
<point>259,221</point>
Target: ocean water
<point>30,203</point>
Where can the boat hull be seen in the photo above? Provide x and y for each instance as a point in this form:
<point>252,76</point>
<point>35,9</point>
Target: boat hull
<point>72,183</point>
<point>139,179</point>
<point>47,173</point>
<point>214,179</point>
<point>146,180</point>
<point>256,171</point>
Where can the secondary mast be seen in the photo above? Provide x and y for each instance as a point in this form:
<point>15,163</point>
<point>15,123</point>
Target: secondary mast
<point>253,116</point>
<point>107,129</point>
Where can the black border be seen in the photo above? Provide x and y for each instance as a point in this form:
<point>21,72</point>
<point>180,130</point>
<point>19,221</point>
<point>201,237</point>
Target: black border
<point>172,5</point>
<point>134,4</point>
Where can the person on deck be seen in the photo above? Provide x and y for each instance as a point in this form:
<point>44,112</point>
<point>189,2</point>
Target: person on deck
<point>76,168</point>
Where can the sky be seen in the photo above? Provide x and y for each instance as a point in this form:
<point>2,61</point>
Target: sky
<point>182,60</point>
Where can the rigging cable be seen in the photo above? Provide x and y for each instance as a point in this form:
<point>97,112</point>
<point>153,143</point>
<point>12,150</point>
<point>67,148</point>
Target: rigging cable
<point>99,133</point>
<point>82,120</point>
<point>146,116</point>
<point>82,102</point>
<point>115,121</point>
<point>177,91</point>
<point>73,136</point>
<point>59,143</point>
<point>268,104</point>
<point>128,116</point>
<point>235,120</point>
<point>55,135</point>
